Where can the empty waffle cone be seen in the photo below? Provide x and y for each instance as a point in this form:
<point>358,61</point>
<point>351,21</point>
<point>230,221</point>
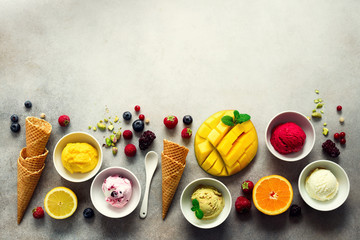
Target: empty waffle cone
<point>26,184</point>
<point>37,135</point>
<point>172,171</point>
<point>175,151</point>
<point>32,164</point>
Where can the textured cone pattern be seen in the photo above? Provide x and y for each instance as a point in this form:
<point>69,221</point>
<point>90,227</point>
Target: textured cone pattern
<point>32,164</point>
<point>173,161</point>
<point>37,135</point>
<point>26,185</point>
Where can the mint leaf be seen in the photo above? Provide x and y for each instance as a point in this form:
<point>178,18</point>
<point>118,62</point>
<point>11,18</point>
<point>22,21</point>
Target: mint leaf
<point>199,214</point>
<point>243,118</point>
<point>227,120</point>
<point>195,203</point>
<point>236,115</point>
<point>193,209</point>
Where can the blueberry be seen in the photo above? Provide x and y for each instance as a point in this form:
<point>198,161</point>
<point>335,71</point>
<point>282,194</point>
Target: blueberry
<point>14,118</point>
<point>295,210</point>
<point>114,194</point>
<point>88,213</point>
<point>127,115</point>
<point>138,125</point>
<point>15,127</point>
<point>28,104</point>
<point>187,119</point>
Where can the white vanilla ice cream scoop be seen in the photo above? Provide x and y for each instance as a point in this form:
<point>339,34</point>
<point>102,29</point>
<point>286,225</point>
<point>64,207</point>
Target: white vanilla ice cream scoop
<point>321,184</point>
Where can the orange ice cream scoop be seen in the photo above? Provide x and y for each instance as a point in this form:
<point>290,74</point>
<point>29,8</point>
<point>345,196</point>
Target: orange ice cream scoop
<point>287,138</point>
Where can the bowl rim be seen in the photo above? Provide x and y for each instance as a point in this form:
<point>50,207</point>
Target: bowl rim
<point>137,201</point>
<point>226,209</point>
<point>92,173</point>
<point>281,156</point>
<point>302,190</point>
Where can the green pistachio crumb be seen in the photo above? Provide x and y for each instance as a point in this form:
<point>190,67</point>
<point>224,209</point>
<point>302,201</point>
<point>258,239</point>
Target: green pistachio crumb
<point>320,100</point>
<point>89,127</point>
<point>322,112</point>
<point>106,120</point>
<point>111,127</point>
<point>94,128</point>
<point>314,110</point>
<point>325,124</point>
<point>308,117</point>
<point>101,126</point>
<point>325,131</point>
<point>316,101</point>
<point>116,119</point>
<point>316,115</point>
<point>101,121</point>
<point>317,91</point>
<point>319,105</point>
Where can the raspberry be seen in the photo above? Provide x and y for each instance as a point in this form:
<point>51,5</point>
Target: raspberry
<point>38,212</point>
<point>329,147</point>
<point>146,139</point>
<point>339,108</point>
<point>137,108</point>
<point>130,150</point>
<point>127,134</point>
<point>342,141</point>
<point>142,117</point>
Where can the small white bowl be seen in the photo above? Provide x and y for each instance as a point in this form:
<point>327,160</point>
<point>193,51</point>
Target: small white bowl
<point>76,137</point>
<point>98,198</point>
<point>303,122</point>
<point>341,176</point>
<point>186,203</point>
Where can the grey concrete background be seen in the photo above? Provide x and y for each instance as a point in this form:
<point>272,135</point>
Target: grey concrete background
<point>178,57</point>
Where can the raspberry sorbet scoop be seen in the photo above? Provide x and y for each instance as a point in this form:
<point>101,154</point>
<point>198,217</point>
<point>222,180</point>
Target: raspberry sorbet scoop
<point>288,138</point>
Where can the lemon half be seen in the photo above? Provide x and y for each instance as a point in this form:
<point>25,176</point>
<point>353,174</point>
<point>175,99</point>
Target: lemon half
<point>60,203</point>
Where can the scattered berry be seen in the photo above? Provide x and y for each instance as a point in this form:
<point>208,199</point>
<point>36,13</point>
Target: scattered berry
<point>130,150</point>
<point>146,139</point>
<point>342,141</point>
<point>127,134</point>
<point>38,212</point>
<point>329,147</point>
<point>247,187</point>
<point>28,104</point>
<point>88,213</point>
<point>15,127</point>
<point>137,108</point>
<point>187,119</point>
<point>42,116</point>
<point>142,117</point>
<point>127,115</point>
<point>138,125</point>
<point>64,120</point>
<point>186,133</point>
<point>339,108</point>
<point>242,204</point>
<point>342,134</point>
<point>295,210</point>
<point>14,118</point>
<point>336,136</point>
<point>170,121</point>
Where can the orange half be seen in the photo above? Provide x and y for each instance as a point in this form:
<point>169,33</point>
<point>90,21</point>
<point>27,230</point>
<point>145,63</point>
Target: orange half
<point>272,195</point>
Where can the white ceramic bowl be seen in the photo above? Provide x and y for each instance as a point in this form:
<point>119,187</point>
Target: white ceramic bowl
<point>186,203</point>
<point>75,137</point>
<point>98,198</point>
<point>341,176</point>
<point>301,121</point>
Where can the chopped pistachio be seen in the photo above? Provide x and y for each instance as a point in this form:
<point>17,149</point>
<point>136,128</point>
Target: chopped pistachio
<point>116,119</point>
<point>322,112</point>
<point>113,138</point>
<point>317,91</point>
<point>325,124</point>
<point>319,105</point>
<point>106,120</point>
<point>94,128</point>
<point>114,150</point>
<point>314,110</point>
<point>308,117</point>
<point>108,142</point>
<point>325,131</point>
<point>101,121</point>
<point>101,126</point>
<point>118,135</point>
<point>316,101</point>
<point>320,100</point>
<point>89,127</point>
<point>316,115</point>
<point>111,127</point>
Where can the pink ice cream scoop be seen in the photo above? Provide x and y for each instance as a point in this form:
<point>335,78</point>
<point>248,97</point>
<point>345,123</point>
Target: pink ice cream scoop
<point>117,190</point>
<point>287,138</point>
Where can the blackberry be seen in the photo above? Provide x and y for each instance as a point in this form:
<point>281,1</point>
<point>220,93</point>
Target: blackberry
<point>146,139</point>
<point>329,147</point>
<point>295,210</point>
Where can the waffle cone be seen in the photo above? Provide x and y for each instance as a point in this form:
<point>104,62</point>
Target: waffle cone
<point>175,151</point>
<point>37,135</point>
<point>32,164</point>
<point>26,185</point>
<point>172,171</point>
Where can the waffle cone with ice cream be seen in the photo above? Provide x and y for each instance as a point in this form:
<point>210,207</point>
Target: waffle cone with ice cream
<point>173,161</point>
<point>31,162</point>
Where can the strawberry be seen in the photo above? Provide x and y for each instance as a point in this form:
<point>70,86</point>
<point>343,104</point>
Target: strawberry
<point>64,120</point>
<point>247,187</point>
<point>38,212</point>
<point>186,133</point>
<point>130,150</point>
<point>170,121</point>
<point>242,204</point>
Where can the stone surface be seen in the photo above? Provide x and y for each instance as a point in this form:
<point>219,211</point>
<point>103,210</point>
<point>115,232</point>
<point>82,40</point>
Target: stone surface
<point>184,57</point>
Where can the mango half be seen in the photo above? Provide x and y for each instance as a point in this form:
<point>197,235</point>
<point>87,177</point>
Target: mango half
<point>222,150</point>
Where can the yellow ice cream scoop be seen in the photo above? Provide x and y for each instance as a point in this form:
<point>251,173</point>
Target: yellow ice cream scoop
<point>79,157</point>
<point>210,200</point>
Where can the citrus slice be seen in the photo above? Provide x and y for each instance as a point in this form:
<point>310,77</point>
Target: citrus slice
<point>60,202</point>
<point>272,195</point>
